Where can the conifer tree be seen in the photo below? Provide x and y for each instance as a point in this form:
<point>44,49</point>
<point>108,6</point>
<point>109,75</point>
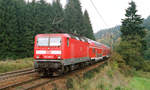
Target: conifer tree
<point>20,21</point>
<point>73,17</point>
<point>20,14</point>
<point>132,25</point>
<point>132,45</point>
<point>58,17</point>
<point>30,28</point>
<point>88,31</point>
<point>41,17</point>
<point>8,28</point>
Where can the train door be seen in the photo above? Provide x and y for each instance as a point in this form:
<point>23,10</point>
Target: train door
<point>94,52</point>
<point>67,48</point>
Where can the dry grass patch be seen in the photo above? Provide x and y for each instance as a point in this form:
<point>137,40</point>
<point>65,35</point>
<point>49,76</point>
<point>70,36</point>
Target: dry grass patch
<point>12,65</point>
<point>106,79</point>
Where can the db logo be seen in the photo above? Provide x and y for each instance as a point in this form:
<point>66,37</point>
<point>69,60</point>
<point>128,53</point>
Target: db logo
<point>48,56</point>
<point>48,52</point>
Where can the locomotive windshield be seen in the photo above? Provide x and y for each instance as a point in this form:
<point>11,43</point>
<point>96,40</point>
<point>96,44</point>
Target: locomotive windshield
<point>55,41</point>
<point>49,41</point>
<point>42,41</point>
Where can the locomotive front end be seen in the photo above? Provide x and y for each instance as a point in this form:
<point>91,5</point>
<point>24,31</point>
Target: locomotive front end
<point>47,52</point>
<point>48,48</point>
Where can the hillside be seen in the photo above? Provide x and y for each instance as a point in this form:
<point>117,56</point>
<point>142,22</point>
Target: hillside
<point>115,31</point>
<point>107,35</point>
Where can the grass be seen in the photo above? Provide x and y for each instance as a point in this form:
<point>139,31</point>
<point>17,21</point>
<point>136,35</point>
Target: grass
<point>101,78</point>
<point>12,65</point>
<point>113,76</point>
<point>110,79</point>
<point>140,83</point>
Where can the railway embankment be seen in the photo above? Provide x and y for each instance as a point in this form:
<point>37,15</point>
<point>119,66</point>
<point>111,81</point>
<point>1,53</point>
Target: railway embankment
<point>110,79</point>
<point>99,76</point>
<point>112,76</point>
<point>33,80</point>
<point>13,65</point>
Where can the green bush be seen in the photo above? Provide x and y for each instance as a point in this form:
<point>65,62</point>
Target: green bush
<point>89,74</point>
<point>110,73</point>
<point>69,83</point>
<point>147,54</point>
<point>131,53</point>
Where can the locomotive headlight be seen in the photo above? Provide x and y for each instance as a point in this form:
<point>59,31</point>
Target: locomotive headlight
<point>59,57</point>
<point>55,52</point>
<point>37,56</point>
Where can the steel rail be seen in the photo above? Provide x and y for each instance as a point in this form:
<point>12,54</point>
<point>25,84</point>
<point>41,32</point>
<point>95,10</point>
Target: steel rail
<point>9,75</point>
<point>19,83</point>
<point>18,71</point>
<point>39,84</point>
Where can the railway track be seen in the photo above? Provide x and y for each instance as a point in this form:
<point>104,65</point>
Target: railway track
<point>38,82</point>
<point>70,74</point>
<point>7,75</point>
<point>29,84</point>
<point>17,84</point>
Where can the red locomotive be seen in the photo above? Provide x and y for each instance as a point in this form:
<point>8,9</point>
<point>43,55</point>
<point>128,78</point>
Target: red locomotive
<point>59,53</point>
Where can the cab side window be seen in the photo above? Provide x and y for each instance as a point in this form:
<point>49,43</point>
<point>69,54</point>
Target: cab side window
<point>68,42</point>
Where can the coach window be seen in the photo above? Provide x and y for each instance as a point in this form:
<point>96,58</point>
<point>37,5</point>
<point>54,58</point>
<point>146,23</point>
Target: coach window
<point>68,42</point>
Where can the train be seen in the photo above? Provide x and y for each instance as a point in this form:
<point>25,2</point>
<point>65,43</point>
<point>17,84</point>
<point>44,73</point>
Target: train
<point>59,53</point>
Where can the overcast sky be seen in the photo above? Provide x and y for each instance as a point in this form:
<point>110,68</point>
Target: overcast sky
<point>112,11</point>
